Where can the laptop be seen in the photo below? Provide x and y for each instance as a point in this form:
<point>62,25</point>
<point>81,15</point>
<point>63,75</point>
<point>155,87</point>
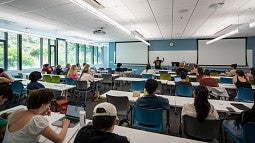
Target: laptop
<point>240,106</point>
<point>72,113</point>
<point>177,79</point>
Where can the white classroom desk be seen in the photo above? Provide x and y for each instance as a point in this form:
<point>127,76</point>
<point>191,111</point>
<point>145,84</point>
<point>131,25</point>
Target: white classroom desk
<point>61,76</point>
<point>113,75</point>
<point>177,101</point>
<point>137,79</point>
<point>134,135</point>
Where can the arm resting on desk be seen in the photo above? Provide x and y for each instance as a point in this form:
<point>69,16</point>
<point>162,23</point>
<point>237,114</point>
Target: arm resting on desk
<point>53,136</point>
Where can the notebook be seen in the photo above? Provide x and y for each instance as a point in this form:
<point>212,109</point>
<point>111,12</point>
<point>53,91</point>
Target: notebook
<point>72,113</point>
<point>240,106</point>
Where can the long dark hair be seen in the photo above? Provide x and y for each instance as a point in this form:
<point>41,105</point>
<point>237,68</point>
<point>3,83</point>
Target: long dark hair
<point>201,102</point>
<point>148,66</point>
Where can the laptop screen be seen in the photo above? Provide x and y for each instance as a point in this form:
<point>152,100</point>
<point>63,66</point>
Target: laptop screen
<point>74,108</point>
<point>177,79</point>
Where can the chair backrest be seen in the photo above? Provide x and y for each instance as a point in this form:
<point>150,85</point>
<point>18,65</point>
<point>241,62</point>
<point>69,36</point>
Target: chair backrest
<point>163,72</point>
<point>107,78</point>
<point>20,75</point>
<point>81,85</point>
<point>147,76</point>
<point>245,94</point>
<point>147,119</point>
<point>165,76</point>
<point>226,80</point>
<point>214,73</point>
<point>248,132</point>
<point>137,86</point>
<point>69,81</point>
<point>46,78</point>
<point>120,102</point>
<point>184,90</point>
<point>204,130</point>
<point>55,79</point>
<point>17,87</point>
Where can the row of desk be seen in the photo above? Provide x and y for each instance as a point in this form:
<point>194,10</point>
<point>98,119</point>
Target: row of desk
<point>134,136</point>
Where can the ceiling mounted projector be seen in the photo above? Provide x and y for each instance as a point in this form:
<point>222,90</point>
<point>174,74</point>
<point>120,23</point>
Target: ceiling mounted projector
<point>99,31</point>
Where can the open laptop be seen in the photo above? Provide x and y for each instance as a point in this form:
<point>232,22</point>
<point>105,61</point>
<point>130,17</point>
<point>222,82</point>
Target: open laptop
<point>177,79</point>
<point>72,113</point>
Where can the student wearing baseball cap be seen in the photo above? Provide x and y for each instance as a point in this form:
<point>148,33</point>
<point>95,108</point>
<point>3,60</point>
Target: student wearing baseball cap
<point>104,120</point>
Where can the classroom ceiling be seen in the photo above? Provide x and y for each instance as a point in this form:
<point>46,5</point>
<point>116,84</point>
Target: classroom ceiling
<point>154,19</point>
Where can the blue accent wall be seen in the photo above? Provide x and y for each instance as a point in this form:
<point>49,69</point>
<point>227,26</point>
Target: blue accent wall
<point>251,45</point>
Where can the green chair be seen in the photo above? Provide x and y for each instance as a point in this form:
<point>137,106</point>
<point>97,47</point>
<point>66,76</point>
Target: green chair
<point>20,75</point>
<point>214,73</point>
<point>46,78</point>
<point>55,79</point>
<point>165,77</point>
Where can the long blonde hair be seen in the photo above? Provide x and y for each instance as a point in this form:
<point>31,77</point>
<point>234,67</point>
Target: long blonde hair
<point>72,69</point>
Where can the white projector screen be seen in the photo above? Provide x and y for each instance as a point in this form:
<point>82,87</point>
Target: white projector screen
<point>222,52</point>
<point>131,53</point>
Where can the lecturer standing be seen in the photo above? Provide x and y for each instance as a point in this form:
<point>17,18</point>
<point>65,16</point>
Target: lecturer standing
<point>158,62</point>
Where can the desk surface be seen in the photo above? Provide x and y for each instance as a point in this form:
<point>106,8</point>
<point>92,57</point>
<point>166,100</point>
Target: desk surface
<point>135,136</point>
<point>177,101</point>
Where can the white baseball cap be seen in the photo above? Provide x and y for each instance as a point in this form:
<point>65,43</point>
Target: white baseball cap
<point>110,110</point>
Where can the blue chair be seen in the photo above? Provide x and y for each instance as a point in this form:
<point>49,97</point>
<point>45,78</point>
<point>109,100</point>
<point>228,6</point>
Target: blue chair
<point>226,80</point>
<point>247,133</point>
<point>245,95</point>
<point>184,90</point>
<point>69,81</point>
<point>137,86</point>
<point>147,76</point>
<point>147,119</point>
<point>18,89</point>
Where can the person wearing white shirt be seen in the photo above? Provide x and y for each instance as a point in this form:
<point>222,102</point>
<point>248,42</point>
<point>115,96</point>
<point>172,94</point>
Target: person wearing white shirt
<point>86,75</point>
<point>148,70</point>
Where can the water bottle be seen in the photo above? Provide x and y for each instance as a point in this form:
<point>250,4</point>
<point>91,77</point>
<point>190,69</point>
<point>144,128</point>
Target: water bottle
<point>82,118</point>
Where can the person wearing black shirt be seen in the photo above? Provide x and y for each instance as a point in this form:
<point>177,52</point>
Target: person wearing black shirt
<point>158,62</point>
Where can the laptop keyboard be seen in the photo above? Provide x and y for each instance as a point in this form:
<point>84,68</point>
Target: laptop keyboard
<point>72,120</point>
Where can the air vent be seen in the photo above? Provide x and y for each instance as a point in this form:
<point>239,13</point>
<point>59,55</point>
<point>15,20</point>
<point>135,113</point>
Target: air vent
<point>99,31</point>
<point>216,5</point>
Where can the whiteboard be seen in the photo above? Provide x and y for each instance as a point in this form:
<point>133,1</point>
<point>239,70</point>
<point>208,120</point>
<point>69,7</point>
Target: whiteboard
<point>189,56</point>
<point>131,53</point>
<point>222,52</point>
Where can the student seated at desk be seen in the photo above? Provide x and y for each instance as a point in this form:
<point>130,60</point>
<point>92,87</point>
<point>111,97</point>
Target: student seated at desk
<point>183,81</point>
<point>34,84</point>
<point>235,126</point>
<point>86,75</point>
<point>119,69</point>
<point>240,80</point>
<point>72,73</point>
<point>47,68</point>
<point>232,71</point>
<point>181,68</point>
<point>5,76</point>
<point>148,70</point>
<point>201,108</point>
<point>151,100</point>
<point>103,122</point>
<point>26,126</point>
<point>207,80</point>
<point>58,70</point>
<point>194,70</point>
<point>5,94</point>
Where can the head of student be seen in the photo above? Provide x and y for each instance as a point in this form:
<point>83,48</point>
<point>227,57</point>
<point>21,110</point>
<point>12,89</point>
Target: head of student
<point>195,66</point>
<point>233,66</point>
<point>35,76</point>
<point>5,93</point>
<point>86,68</point>
<point>1,70</point>
<point>240,73</point>
<point>119,65</point>
<point>104,116</point>
<point>252,71</point>
<point>40,99</point>
<point>207,72</point>
<point>201,103</point>
<point>183,75</point>
<point>148,66</point>
<point>151,85</point>
<point>157,58</point>
<point>181,65</point>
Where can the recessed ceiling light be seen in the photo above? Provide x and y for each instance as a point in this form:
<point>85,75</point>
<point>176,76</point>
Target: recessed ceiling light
<point>216,5</point>
<point>183,10</point>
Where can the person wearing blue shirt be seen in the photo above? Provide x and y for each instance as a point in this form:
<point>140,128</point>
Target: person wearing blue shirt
<point>34,84</point>
<point>150,100</point>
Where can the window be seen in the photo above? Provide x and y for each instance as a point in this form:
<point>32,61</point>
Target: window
<point>45,51</point>
<point>2,37</point>
<point>95,55</point>
<point>89,54</point>
<point>30,52</point>
<point>71,53</point>
<point>61,52</point>
<point>1,54</point>
<point>100,55</point>
<point>82,52</point>
<point>52,52</point>
<point>12,51</point>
